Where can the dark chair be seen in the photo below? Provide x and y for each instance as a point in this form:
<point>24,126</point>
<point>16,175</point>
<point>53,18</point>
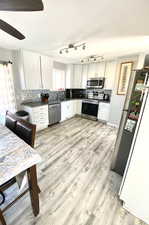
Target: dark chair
<point>25,131</point>
<point>10,121</point>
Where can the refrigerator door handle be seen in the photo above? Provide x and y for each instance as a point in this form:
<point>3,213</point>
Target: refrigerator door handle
<point>142,94</point>
<point>146,78</point>
<point>145,83</point>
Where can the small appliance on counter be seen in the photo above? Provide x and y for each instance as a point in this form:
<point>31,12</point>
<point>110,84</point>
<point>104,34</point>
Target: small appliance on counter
<point>44,97</point>
<point>101,95</point>
<point>75,93</point>
<point>106,97</point>
<point>90,94</point>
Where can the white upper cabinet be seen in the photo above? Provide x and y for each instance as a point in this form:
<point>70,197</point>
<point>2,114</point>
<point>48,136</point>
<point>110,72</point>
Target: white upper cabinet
<point>100,69</point>
<point>46,72</point>
<point>32,70</point>
<point>37,71</point>
<point>77,76</point>
<point>110,74</point>
<point>92,70</point>
<point>69,76</point>
<point>85,68</point>
<point>96,70</point>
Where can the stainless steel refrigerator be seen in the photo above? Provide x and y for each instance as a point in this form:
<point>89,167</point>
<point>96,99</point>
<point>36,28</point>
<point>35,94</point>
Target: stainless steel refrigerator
<point>129,119</point>
<point>135,183</point>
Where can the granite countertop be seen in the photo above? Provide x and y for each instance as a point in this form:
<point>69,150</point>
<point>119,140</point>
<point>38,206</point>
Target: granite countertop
<point>36,104</point>
<point>15,155</point>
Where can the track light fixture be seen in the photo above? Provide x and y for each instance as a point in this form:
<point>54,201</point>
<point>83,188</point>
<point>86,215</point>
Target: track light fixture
<point>72,46</point>
<point>92,58</point>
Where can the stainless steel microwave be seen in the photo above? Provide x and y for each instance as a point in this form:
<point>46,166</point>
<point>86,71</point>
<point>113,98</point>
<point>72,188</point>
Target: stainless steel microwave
<point>96,82</point>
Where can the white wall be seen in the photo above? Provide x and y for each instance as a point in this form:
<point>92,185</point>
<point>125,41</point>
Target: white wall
<point>117,101</point>
<point>5,55</point>
<point>59,66</point>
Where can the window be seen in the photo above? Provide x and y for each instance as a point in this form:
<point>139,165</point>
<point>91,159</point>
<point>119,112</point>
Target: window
<point>7,93</point>
<point>59,79</point>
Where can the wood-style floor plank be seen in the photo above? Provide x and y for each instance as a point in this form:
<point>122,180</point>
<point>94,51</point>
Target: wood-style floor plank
<point>77,186</point>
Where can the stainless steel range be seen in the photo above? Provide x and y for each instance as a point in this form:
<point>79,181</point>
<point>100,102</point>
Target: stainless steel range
<point>90,108</point>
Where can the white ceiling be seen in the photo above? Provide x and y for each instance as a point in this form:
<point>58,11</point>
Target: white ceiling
<point>109,27</point>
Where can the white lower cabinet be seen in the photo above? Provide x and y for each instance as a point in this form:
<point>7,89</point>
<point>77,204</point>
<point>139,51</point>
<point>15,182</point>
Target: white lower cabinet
<point>103,111</point>
<point>70,109</point>
<point>38,116</point>
<point>78,107</point>
<point>64,111</point>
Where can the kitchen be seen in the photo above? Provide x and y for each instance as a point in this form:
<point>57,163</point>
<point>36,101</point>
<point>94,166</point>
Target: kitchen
<point>71,125</point>
<point>76,76</point>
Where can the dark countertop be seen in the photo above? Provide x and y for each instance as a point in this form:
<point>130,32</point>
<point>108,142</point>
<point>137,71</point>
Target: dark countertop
<point>36,104</point>
<point>70,99</point>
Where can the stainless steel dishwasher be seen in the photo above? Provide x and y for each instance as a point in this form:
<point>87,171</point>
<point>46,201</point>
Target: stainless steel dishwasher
<point>54,113</point>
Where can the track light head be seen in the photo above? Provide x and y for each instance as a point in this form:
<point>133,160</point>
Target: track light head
<point>92,58</point>
<point>83,47</point>
<point>72,46</point>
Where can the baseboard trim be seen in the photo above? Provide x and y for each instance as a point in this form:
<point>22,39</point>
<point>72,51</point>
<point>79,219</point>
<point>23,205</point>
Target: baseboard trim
<point>112,125</point>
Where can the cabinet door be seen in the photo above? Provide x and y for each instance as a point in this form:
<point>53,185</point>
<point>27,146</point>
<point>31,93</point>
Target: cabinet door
<point>92,70</point>
<point>69,76</point>
<point>71,108</point>
<point>32,70</point>
<point>100,69</point>
<point>85,68</point>
<point>77,76</point>
<point>103,111</point>
<point>64,111</point>
<point>46,72</point>
<point>78,107</point>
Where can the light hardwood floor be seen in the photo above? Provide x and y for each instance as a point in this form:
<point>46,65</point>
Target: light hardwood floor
<point>77,185</point>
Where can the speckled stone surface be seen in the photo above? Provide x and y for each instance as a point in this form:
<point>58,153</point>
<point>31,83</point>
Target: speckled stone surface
<point>15,155</point>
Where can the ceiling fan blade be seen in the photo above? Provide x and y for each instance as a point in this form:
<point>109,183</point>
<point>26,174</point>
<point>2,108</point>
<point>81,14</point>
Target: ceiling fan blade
<point>21,5</point>
<point>11,30</point>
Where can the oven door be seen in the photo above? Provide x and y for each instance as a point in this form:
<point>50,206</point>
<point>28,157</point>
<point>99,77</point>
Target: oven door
<point>90,108</point>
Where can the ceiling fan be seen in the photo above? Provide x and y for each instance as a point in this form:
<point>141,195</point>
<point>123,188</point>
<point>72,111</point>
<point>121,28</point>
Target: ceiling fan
<point>18,5</point>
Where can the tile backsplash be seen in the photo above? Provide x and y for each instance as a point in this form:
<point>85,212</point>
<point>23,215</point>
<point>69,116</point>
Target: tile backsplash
<point>34,95</point>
